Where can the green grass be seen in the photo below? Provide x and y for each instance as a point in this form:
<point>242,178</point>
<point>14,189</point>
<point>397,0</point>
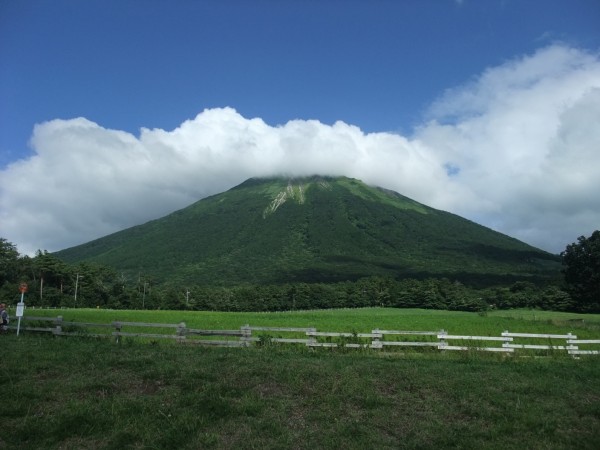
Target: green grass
<point>72,393</point>
<point>360,320</point>
<point>351,321</point>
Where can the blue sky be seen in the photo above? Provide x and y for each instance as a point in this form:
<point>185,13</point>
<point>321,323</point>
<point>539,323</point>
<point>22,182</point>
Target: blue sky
<point>400,74</point>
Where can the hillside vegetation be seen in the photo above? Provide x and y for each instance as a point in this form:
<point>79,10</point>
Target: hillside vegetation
<point>316,229</point>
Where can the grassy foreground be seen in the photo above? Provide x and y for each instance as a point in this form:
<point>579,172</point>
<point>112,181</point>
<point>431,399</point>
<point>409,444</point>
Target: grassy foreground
<point>78,393</point>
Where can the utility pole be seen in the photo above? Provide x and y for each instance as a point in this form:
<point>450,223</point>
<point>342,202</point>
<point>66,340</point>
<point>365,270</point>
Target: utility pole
<point>144,297</point>
<point>76,285</point>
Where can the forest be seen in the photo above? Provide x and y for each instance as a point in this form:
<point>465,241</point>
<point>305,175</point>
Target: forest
<point>54,283</point>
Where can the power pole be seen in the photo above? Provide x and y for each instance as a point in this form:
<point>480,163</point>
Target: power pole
<point>77,284</point>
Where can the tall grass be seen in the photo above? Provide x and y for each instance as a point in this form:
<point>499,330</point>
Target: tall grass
<point>360,320</point>
<point>76,393</point>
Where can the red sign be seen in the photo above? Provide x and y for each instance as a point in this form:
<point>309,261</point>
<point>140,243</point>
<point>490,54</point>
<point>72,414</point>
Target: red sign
<point>23,288</point>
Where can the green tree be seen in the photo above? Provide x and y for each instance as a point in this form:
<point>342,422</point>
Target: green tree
<point>52,274</point>
<point>8,261</point>
<point>581,262</point>
<point>10,272</point>
<point>555,299</point>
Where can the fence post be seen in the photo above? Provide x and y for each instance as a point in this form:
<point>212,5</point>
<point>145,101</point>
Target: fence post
<point>181,332</point>
<point>443,343</point>
<point>571,346</point>
<point>58,323</point>
<point>118,327</point>
<point>376,343</point>
<point>311,339</point>
<point>246,334</point>
<point>505,344</point>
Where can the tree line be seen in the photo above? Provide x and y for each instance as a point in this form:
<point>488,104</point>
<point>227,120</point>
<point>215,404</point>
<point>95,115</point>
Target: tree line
<point>54,283</point>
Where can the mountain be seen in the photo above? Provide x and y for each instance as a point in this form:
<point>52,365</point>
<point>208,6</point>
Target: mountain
<point>314,229</point>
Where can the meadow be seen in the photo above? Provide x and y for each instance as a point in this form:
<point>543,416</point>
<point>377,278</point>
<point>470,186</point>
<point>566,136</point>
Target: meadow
<point>360,320</point>
<point>85,393</point>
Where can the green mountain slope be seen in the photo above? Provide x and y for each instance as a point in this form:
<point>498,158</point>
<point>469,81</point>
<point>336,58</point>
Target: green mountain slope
<point>308,230</point>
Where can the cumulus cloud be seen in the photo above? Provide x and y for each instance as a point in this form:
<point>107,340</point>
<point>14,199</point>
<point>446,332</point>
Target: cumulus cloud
<point>523,138</point>
<point>516,149</point>
<point>86,181</point>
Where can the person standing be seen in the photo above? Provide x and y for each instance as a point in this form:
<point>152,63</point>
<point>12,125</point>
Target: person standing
<point>3,318</point>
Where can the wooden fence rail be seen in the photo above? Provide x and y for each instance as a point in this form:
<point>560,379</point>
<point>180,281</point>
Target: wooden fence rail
<point>310,337</point>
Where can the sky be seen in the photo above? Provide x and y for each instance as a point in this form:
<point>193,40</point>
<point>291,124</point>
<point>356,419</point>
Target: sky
<point>117,112</point>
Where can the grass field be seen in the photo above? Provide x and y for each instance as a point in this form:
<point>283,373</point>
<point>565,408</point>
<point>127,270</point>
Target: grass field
<point>83,393</point>
<point>360,320</point>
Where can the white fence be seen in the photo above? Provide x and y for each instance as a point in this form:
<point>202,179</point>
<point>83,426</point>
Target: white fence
<point>248,335</point>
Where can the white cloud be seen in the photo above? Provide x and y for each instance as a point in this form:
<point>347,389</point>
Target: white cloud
<point>516,149</point>
<point>86,181</point>
<point>525,136</point>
